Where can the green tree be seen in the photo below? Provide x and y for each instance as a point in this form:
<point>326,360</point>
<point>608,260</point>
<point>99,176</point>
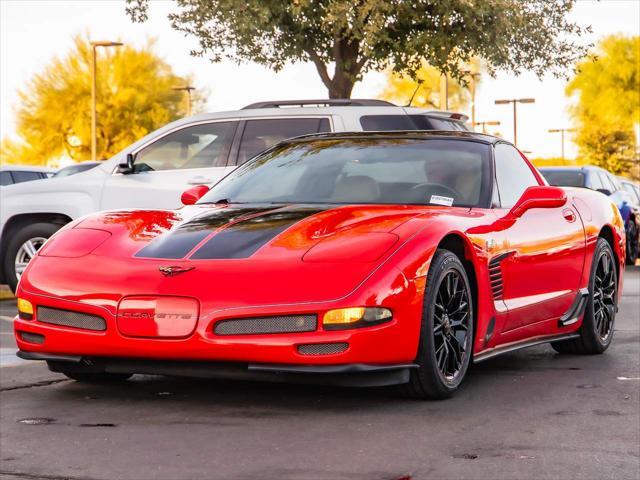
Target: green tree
<point>357,36</point>
<point>134,96</point>
<point>606,90</point>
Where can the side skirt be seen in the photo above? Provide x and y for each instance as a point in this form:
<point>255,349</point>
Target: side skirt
<point>576,309</point>
<point>494,352</point>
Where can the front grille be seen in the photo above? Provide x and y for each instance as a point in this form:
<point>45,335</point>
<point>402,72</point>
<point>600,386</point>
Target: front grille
<point>257,325</point>
<point>68,318</point>
<point>322,348</point>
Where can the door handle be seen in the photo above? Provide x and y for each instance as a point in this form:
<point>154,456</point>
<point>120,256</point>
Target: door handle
<point>199,180</point>
<point>568,215</point>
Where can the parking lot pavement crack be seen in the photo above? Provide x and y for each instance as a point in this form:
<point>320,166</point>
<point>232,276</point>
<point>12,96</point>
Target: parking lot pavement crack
<point>44,383</point>
<point>33,476</point>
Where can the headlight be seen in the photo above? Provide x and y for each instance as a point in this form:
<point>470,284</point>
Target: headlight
<point>74,243</point>
<point>355,317</point>
<point>25,309</point>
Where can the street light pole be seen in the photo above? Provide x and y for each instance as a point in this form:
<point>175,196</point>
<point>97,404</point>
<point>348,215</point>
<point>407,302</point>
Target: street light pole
<point>514,101</point>
<point>94,114</point>
<point>472,89</point>
<point>561,131</point>
<point>188,89</point>
<point>485,123</point>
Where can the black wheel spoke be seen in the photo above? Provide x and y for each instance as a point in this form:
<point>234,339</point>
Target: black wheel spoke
<point>604,296</point>
<point>452,314</point>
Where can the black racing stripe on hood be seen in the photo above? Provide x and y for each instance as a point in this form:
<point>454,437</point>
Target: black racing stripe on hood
<point>177,243</point>
<point>243,239</point>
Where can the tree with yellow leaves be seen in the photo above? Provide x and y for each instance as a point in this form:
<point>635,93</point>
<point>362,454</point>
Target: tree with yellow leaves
<point>135,95</point>
<point>607,107</point>
<point>426,89</point>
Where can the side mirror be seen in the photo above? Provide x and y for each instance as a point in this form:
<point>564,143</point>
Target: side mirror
<point>127,166</point>
<point>539,197</point>
<point>193,194</point>
<point>606,191</point>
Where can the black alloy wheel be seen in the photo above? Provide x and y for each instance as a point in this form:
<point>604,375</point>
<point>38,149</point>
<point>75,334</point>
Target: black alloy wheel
<point>596,331</point>
<point>446,331</point>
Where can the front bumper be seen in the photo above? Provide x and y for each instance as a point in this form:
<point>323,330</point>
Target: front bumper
<point>357,375</point>
<point>392,343</point>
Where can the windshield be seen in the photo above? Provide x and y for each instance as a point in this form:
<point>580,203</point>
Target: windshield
<point>564,178</point>
<point>363,171</point>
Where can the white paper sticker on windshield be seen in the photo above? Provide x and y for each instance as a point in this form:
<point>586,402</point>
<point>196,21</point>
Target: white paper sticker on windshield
<point>438,200</point>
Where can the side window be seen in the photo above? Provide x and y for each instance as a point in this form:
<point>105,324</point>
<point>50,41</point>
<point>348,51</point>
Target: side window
<point>199,146</point>
<point>5,178</point>
<point>20,177</point>
<point>513,175</point>
<point>259,135</point>
<point>606,182</point>
<point>594,182</point>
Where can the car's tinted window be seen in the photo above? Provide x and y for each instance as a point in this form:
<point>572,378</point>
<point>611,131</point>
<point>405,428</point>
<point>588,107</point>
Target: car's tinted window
<point>259,135</point>
<point>385,123</point>
<point>199,146</point>
<point>19,176</point>
<point>5,178</point>
<point>363,170</point>
<point>564,178</point>
<point>512,174</point>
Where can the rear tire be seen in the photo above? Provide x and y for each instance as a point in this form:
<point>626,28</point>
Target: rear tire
<point>446,332</point>
<point>596,331</point>
<point>36,234</point>
<point>633,242</point>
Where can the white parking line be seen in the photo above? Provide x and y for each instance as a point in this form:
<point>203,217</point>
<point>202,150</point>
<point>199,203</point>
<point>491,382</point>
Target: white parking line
<point>8,358</point>
<point>628,378</point>
<point>6,319</point>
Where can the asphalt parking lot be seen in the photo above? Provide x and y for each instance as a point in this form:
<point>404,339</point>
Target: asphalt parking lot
<point>530,414</point>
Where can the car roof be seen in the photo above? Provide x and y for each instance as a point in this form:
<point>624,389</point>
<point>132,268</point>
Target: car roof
<point>408,134</point>
<point>355,110</point>
<point>26,168</point>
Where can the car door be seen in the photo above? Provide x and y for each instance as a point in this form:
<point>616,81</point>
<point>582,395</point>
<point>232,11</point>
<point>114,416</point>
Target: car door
<point>196,154</point>
<point>544,248</point>
<point>258,134</point>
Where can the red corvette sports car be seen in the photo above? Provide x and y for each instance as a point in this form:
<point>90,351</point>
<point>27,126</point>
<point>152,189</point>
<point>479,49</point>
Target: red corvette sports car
<point>362,259</point>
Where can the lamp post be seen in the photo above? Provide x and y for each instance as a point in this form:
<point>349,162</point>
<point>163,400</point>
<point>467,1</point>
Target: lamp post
<point>515,101</point>
<point>188,89</point>
<point>94,115</point>
<point>561,132</point>
<point>474,76</point>
<point>485,123</point>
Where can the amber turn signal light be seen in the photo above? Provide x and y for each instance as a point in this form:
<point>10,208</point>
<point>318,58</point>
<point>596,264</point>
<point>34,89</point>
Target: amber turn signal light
<point>355,317</point>
<point>25,309</point>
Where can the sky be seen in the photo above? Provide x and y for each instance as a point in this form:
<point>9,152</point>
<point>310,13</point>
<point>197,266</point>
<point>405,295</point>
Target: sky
<point>33,32</point>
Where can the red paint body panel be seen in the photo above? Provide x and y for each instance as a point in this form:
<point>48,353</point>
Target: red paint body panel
<point>340,257</point>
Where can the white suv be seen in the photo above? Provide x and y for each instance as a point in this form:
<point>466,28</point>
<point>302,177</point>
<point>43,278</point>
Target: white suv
<point>153,172</point>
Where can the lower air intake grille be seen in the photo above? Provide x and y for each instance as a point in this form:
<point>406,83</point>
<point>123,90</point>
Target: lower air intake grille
<point>322,348</point>
<point>68,318</point>
<point>257,325</point>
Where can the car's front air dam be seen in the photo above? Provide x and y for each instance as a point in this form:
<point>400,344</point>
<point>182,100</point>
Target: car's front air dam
<point>355,375</point>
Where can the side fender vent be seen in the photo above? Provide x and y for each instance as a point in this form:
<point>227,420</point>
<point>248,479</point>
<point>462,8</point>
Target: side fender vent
<point>495,277</point>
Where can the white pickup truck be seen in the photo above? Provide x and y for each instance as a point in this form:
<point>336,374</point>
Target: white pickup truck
<point>200,150</point>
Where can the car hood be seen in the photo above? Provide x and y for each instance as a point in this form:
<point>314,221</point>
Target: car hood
<point>239,254</point>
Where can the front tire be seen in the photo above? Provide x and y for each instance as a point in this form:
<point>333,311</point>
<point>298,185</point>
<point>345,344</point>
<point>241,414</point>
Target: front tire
<point>596,331</point>
<point>22,246</point>
<point>446,333</point>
